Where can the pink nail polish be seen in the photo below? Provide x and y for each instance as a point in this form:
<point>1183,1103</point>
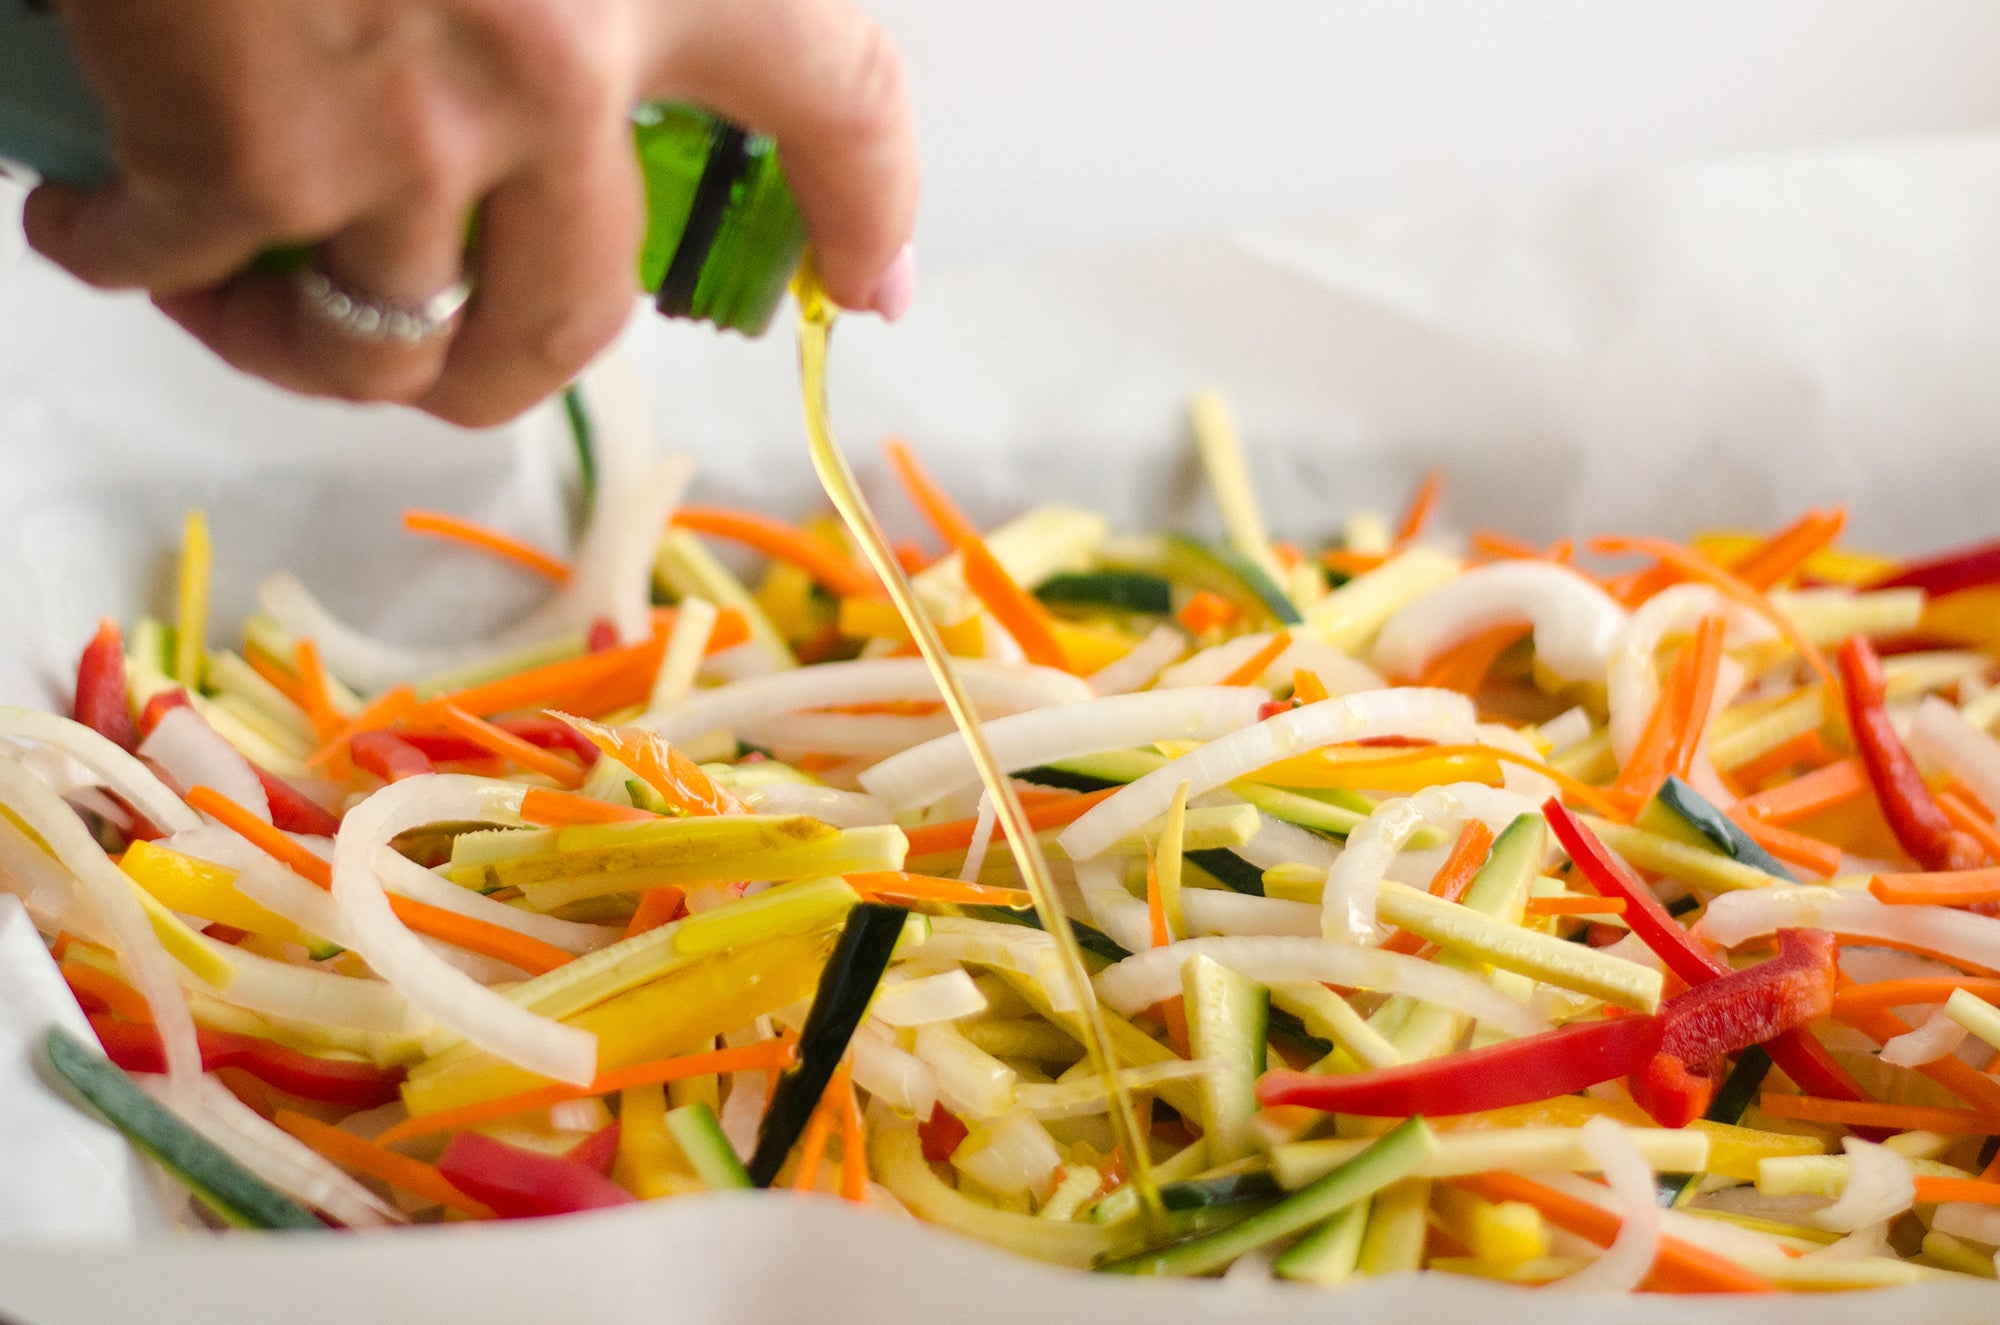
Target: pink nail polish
<point>897,289</point>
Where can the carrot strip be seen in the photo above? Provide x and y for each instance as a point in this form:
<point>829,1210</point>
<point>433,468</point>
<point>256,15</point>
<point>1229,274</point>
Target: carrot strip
<point>1680,1267</point>
<point>782,542</point>
<point>1692,565</point>
<point>657,906</point>
<point>1699,697</point>
<point>1974,1191</point>
<point>930,888</point>
<point>1019,612</point>
<point>1809,794</point>
<point>1878,994</point>
<point>326,719</point>
<point>484,538</point>
<point>563,684</point>
<point>1253,667</point>
<point>1575,906</point>
<point>1453,877</point>
<point>1418,513</point>
<point>939,509</point>
<point>812,1142</point>
<point>557,809</point>
<point>284,682</point>
<point>1873,1113</point>
<point>108,989</point>
<point>503,743</point>
<point>764,1055</point>
<point>853,1142</point>
<point>1779,556</point>
<point>1342,562</point>
<point>1208,611</point>
<point>1806,748</point>
<point>1953,1073</point>
<point>1464,665</point>
<point>273,843</point>
<point>1173,1012</point>
<point>1946,888</point>
<point>374,1161</point>
<point>480,936</point>
<point>1967,820</point>
<point>1807,853</point>
<point>1156,905</point>
<point>956,835</point>
<point>1307,688</point>
<point>678,779</point>
<point>1646,767</point>
<point>383,710</point>
<point>1496,546</point>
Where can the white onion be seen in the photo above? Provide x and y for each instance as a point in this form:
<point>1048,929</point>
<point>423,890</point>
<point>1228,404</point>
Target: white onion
<point>1277,842</point>
<point>1881,1184</point>
<point>742,1112</point>
<point>1940,734</point>
<point>1214,911</point>
<point>1339,672</point>
<point>1347,907</point>
<point>1567,730</point>
<point>455,1001</point>
<point>1084,1094</point>
<point>1017,1156</point>
<point>116,770</point>
<point>842,809</point>
<point>946,996</point>
<point>44,887</point>
<point>1966,1219</point>
<point>1632,688</point>
<point>311,996</point>
<point>1122,917</point>
<point>971,1082</point>
<point>844,733</point>
<point>153,973</point>
<point>1005,947</point>
<point>922,775</point>
<point>275,1155</point>
<point>1575,623</point>
<point>1631,1187</point>
<point>1734,918</point>
<point>400,874</point>
<point>298,900</point>
<point>1938,1036</point>
<point>982,840</point>
<point>188,750</point>
<point>1145,978</point>
<point>1440,715</point>
<point>1137,669</point>
<point>993,688</point>
<point>901,1080</point>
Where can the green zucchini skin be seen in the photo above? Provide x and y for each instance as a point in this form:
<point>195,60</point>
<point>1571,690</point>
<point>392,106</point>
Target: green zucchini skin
<point>1680,811</point>
<point>1112,590</point>
<point>698,1133</point>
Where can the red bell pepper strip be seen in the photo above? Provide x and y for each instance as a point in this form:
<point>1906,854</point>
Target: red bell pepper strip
<point>135,1046</point>
<point>598,1150</point>
<point>292,811</point>
<point>521,1184</point>
<point>941,1134</point>
<point>1535,1067</point>
<point>1727,1015</point>
<point>103,699</point>
<point>1803,1058</point>
<point>158,707</point>
<point>388,756</point>
<point>602,635</point>
<point>1967,568</point>
<point>551,734</point>
<point>1913,814</point>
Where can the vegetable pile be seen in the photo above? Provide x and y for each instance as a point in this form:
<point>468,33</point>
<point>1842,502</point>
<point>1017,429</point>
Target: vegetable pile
<point>1454,905</point>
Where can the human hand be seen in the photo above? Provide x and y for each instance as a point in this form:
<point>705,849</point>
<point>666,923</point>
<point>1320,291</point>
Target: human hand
<point>374,129</point>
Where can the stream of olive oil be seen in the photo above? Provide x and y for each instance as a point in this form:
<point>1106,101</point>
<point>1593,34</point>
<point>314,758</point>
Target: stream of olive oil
<point>816,314</point>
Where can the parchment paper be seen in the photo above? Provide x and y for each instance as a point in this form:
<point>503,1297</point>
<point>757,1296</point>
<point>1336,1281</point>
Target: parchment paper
<point>1723,345</point>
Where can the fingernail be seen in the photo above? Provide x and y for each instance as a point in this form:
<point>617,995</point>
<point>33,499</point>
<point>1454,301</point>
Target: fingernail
<point>897,289</point>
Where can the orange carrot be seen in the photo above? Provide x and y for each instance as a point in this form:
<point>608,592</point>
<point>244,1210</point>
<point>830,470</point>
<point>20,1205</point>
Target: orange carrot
<point>1646,767</point>
<point>374,1161</point>
<point>1418,513</point>
<point>1806,748</point>
<point>1250,669</point>
<point>501,742</point>
<point>678,779</point>
<point>624,674</point>
<point>1873,1113</point>
<point>764,1055</point>
<point>1342,562</point>
<point>107,989</point>
<point>485,539</point>
<point>1173,1012</point>
<point>1808,853</point>
<point>1779,556</point>
<point>1575,906</point>
<point>326,719</point>
<point>557,809</point>
<point>384,709</point>
<point>1307,688</point>
<point>1672,733</point>
<point>1496,546</point>
<point>273,843</point>
<point>657,906</point>
<point>1953,1073</point>
<point>853,1142</point>
<point>1877,994</point>
<point>480,936</point>
<point>939,509</point>
<point>1208,611</point>
<point>1464,665</point>
<point>284,682</point>
<point>1967,820</point>
<point>1809,794</point>
<point>1700,695</point>
<point>1019,612</point>
<point>930,888</point>
<point>910,557</point>
<point>956,835</point>
<point>1692,565</point>
<point>819,1128</point>
<point>1973,1191</point>
<point>1475,840</point>
<point>1946,888</point>
<point>1679,1267</point>
<point>1156,905</point>
<point>783,542</point>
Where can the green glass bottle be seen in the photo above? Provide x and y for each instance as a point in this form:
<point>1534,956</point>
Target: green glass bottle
<point>723,235</point>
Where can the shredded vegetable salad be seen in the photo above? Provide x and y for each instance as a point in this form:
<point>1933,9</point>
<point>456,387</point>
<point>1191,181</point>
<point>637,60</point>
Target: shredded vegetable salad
<point>1623,916</point>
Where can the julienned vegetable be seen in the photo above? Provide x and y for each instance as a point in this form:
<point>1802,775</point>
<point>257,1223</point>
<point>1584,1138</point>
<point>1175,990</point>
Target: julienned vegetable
<point>523,927</point>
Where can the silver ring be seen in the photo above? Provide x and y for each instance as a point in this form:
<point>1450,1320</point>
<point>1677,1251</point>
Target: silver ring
<point>361,318</point>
